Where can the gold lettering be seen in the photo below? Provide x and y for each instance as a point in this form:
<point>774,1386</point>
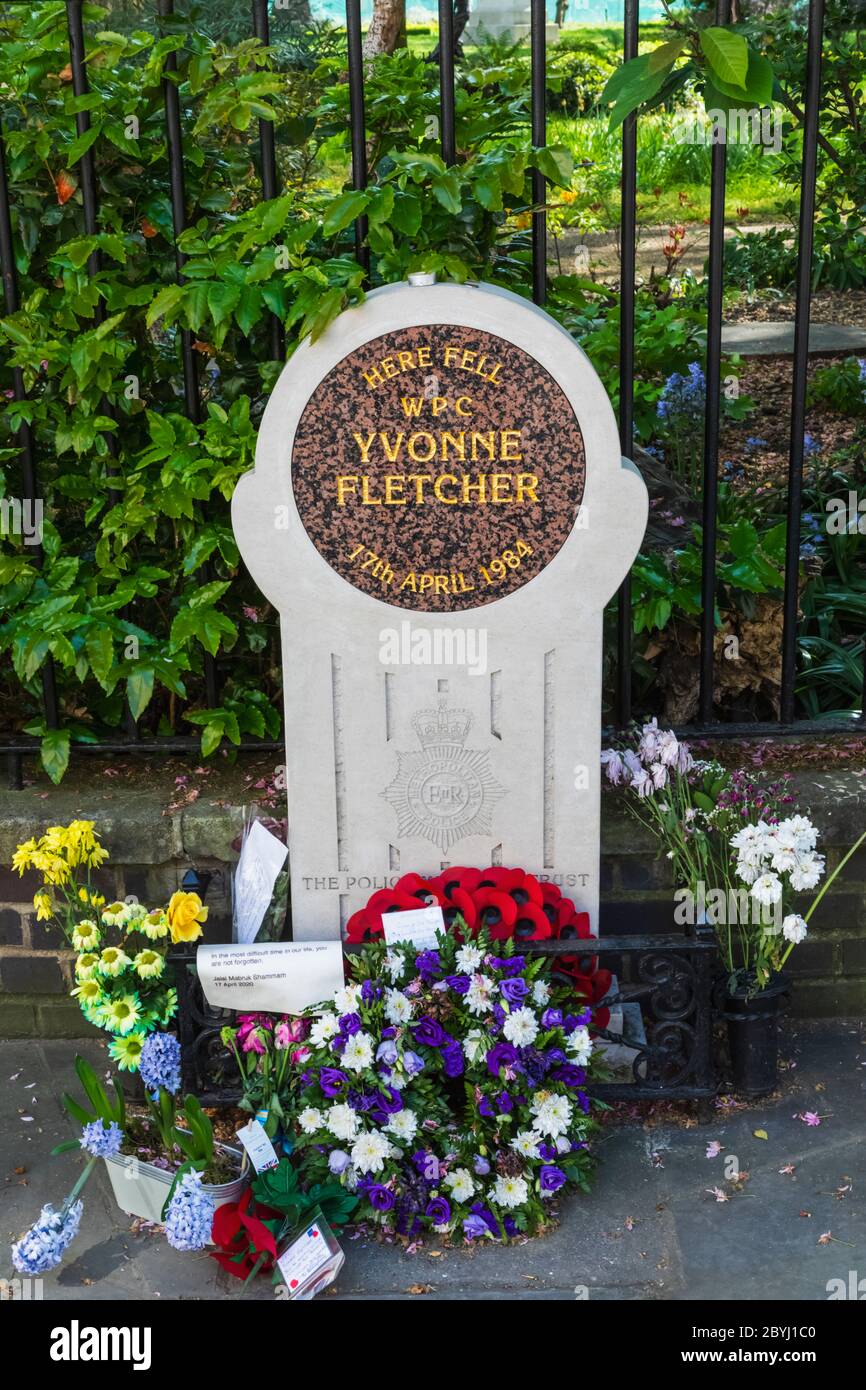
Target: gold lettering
<point>413,446</point>
<point>510,440</point>
<point>480,487</point>
<point>500,487</point>
<point>365,448</point>
<point>455,441</point>
<point>392,451</point>
<point>346,482</point>
<point>459,402</point>
<point>437,488</point>
<point>526,487</point>
<point>412,404</point>
<point>366,499</point>
<point>394,490</point>
<point>486,440</point>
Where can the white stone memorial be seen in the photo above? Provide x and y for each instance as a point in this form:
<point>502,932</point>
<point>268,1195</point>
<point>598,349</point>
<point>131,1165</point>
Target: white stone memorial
<point>440,513</point>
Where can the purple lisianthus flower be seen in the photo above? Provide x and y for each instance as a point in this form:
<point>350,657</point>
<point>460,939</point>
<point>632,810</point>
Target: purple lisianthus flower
<point>368,993</point>
<point>412,1063</point>
<point>485,1108</point>
<point>338,1044</point>
<point>428,963</point>
<point>534,1063</point>
<point>486,1215</point>
<point>349,1024</point>
<point>452,1058</point>
<point>547,1152</point>
<point>505,1103</point>
<point>389,1100</point>
<point>515,991</point>
<point>380,1198</point>
<point>428,1032</point>
<point>499,1015</point>
<point>509,965</point>
<point>332,1081</point>
<point>554,1055</point>
<point>480,1165</point>
<point>438,1211</point>
<point>569,1074</point>
<point>427,1164</point>
<point>474,1227</point>
<point>338,1161</point>
<point>583,1101</point>
<point>510,1225</point>
<point>389,1032</point>
<point>459,983</point>
<point>360,1101</point>
<point>387,1052</point>
<point>502,1054</point>
<point>551,1018</point>
<point>551,1178</point>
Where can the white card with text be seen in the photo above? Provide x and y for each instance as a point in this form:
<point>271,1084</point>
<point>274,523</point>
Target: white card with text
<point>418,926</point>
<point>262,1154</point>
<point>281,977</point>
<point>261,859</point>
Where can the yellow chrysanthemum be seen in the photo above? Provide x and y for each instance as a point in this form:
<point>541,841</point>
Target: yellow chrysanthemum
<point>149,964</point>
<point>23,856</point>
<point>89,994</point>
<point>137,914</point>
<point>86,965</point>
<point>113,961</point>
<point>115,914</point>
<point>126,1051</point>
<point>86,935</point>
<point>154,925</point>
<point>185,916</point>
<point>122,1014</point>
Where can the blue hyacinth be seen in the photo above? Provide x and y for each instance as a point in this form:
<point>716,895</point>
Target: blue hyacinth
<point>683,398</point>
<point>44,1245</point>
<point>102,1141</point>
<point>160,1063</point>
<point>190,1213</point>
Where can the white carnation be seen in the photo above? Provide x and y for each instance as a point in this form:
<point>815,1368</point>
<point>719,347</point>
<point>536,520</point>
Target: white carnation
<point>403,1125</point>
<point>580,1043</point>
<point>767,888</point>
<point>370,1151</point>
<point>808,872</point>
<point>461,1184</point>
<point>469,958</point>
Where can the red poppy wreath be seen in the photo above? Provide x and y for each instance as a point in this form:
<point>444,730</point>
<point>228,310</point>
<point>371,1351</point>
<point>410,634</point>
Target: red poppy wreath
<point>508,903</point>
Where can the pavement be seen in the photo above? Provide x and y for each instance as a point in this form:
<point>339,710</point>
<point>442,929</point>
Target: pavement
<point>663,1222</point>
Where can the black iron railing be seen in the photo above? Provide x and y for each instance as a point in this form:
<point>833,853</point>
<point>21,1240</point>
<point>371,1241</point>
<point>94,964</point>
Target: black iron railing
<point>15,749</point>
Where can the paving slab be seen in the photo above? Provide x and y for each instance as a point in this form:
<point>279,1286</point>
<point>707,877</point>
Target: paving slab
<point>777,339</point>
<point>651,1230</point>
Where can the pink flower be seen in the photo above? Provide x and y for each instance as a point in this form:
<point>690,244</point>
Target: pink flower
<point>714,1148</point>
<point>810,1118</point>
<point>300,1054</point>
<point>254,1041</point>
<point>282,1036</point>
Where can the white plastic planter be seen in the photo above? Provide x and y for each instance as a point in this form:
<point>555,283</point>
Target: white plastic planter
<point>140,1189</point>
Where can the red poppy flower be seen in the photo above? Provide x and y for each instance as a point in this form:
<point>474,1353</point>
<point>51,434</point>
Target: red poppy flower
<point>450,880</point>
<point>496,912</point>
<point>460,904</point>
<point>244,1239</point>
<point>414,886</point>
<point>364,925</point>
<point>531,924</point>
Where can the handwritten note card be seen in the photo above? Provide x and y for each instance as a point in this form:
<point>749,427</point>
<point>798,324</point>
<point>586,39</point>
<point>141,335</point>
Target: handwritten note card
<point>418,926</point>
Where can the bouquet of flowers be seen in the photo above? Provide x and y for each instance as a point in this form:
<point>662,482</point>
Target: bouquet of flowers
<point>122,981</point>
<point>264,1045</point>
<point>446,1090</point>
<point>738,850</point>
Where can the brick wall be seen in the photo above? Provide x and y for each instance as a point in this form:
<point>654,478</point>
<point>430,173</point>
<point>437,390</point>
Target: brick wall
<point>151,851</point>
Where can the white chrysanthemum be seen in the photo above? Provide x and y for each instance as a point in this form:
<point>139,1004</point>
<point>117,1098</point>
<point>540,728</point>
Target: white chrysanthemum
<point>370,1151</point>
<point>403,1125</point>
<point>580,1044</point>
<point>395,965</point>
<point>474,1045</point>
<point>526,1143</point>
<point>342,1121</point>
<point>794,928</point>
<point>521,1027</point>
<point>358,1052</point>
<point>552,1113</point>
<point>808,872</point>
<point>346,1000</point>
<point>510,1192</point>
<point>461,1183</point>
<point>469,958</point>
<point>324,1029</point>
<point>541,993</point>
<point>310,1120</point>
<point>481,995</point>
<point>398,1009</point>
<point>767,888</point>
<point>751,839</point>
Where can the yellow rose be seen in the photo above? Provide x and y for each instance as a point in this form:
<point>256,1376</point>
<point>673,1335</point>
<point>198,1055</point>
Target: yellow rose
<point>185,917</point>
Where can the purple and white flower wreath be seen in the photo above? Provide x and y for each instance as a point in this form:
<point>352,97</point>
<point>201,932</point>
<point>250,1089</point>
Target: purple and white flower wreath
<point>447,1090</point>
